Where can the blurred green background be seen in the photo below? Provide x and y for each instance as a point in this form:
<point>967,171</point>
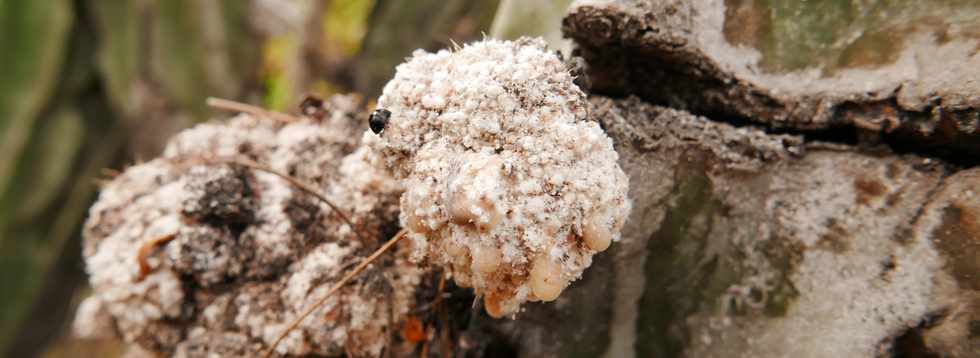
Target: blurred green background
<point>93,85</point>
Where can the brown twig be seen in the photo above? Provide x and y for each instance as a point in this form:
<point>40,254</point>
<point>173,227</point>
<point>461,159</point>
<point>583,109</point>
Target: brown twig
<point>100,183</point>
<point>257,111</point>
<point>347,278</point>
<point>145,250</point>
<point>447,349</point>
<point>434,304</point>
<point>441,289</point>
<point>299,184</point>
<point>109,173</point>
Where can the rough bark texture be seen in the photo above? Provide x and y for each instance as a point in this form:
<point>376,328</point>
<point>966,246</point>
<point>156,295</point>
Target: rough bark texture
<point>745,244</point>
<point>748,243</point>
<point>907,70</point>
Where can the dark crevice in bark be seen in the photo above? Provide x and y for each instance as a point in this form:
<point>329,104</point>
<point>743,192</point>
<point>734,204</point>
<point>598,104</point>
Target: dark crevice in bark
<point>911,343</point>
<point>897,142</point>
<point>626,56</point>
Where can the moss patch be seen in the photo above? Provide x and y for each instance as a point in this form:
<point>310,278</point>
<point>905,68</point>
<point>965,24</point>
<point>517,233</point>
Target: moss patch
<point>840,34</point>
<point>693,262</point>
<point>680,280</point>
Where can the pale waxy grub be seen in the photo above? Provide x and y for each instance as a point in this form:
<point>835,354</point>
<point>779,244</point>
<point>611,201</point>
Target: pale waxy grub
<point>597,235</point>
<point>486,259</point>
<point>546,279</point>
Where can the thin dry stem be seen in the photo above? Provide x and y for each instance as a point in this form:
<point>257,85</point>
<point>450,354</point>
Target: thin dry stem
<point>347,278</point>
<point>234,106</point>
<point>441,289</point>
<point>447,349</point>
<point>109,173</point>
<point>101,183</point>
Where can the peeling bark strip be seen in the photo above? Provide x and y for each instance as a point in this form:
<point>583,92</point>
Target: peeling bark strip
<point>741,58</point>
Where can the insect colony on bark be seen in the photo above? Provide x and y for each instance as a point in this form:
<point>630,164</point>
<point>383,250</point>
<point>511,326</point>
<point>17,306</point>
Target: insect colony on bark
<point>483,155</point>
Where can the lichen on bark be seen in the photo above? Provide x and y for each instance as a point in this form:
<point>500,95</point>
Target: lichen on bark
<point>749,245</point>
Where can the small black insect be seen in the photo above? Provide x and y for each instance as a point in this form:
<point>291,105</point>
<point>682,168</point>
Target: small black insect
<point>379,120</point>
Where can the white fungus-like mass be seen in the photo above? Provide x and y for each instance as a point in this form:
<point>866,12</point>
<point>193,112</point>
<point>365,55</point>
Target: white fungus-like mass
<point>250,251</point>
<point>488,159</point>
<point>509,184</point>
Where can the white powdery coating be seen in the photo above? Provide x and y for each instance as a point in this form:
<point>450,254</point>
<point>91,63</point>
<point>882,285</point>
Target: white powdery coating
<point>508,183</point>
<point>111,259</point>
<point>93,321</point>
<point>242,265</point>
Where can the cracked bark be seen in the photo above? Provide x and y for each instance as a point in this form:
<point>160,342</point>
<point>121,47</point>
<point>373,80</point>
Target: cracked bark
<point>758,231</point>
<point>906,72</point>
<point>743,243</point>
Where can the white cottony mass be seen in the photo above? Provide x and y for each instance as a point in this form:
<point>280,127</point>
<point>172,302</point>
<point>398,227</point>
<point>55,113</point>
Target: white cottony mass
<point>486,155</point>
<point>510,186</point>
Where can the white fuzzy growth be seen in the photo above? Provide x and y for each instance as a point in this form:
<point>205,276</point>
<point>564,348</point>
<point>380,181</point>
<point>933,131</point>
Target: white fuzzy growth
<point>93,321</point>
<point>209,287</point>
<point>497,155</point>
